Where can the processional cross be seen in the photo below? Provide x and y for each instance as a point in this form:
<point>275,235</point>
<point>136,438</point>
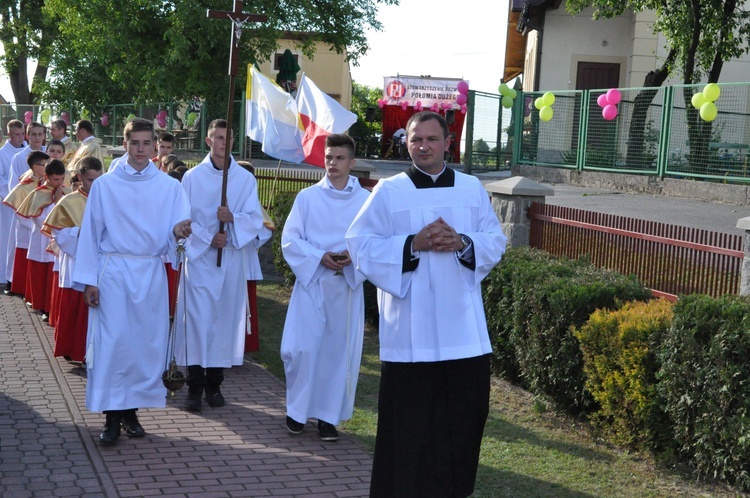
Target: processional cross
<point>238,19</point>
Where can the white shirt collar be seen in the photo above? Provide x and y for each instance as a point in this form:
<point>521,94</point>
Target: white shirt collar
<point>434,177</point>
<point>347,188</point>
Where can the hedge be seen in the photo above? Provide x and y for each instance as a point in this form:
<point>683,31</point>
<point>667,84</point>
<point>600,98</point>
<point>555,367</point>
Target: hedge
<point>533,301</point>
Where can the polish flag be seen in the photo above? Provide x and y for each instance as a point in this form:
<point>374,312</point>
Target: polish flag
<point>321,115</point>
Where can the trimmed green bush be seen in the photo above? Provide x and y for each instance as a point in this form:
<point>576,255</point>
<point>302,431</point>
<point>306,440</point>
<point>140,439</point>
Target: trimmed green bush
<point>620,353</point>
<point>279,211</point>
<point>705,381</point>
<point>533,300</point>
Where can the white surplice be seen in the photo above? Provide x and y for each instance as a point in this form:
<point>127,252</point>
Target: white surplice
<point>322,341</point>
<point>435,312</point>
<point>127,226</point>
<point>215,297</point>
<point>7,215</point>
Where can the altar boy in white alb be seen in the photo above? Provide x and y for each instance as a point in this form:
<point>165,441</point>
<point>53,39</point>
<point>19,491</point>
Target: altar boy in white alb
<point>133,216</point>
<point>426,238</point>
<point>322,342</point>
<point>215,297</point>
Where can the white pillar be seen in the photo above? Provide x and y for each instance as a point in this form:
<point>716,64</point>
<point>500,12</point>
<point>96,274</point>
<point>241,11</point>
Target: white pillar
<point>511,199</point>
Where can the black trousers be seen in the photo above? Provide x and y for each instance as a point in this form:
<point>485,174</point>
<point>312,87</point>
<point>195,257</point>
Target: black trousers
<point>204,377</point>
<point>431,419</point>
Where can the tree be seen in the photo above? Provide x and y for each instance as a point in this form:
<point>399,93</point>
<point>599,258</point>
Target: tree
<point>158,50</point>
<point>700,36</point>
<point>364,101</point>
<point>25,33</point>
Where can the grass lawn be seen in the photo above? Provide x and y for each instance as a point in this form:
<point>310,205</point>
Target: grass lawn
<point>528,450</point>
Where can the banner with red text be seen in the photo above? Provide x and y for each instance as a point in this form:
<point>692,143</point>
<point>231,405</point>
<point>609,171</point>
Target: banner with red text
<point>420,91</point>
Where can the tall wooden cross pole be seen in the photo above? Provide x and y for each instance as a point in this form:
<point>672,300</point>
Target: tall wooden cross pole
<point>238,19</point>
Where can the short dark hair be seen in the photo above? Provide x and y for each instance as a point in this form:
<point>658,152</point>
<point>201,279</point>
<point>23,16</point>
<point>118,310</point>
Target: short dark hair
<point>216,123</point>
<point>85,124</point>
<point>34,124</point>
<point>60,123</point>
<point>341,140</point>
<point>54,167</point>
<point>35,157</point>
<point>247,165</point>
<point>166,137</point>
<point>175,174</point>
<point>137,124</point>
<point>88,163</point>
<point>423,116</point>
<point>55,142</point>
<point>169,159</point>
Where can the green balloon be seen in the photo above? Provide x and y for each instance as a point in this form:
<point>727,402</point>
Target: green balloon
<point>507,101</point>
<point>698,100</point>
<point>130,118</point>
<point>513,93</point>
<point>711,92</point>
<point>709,111</point>
<point>539,103</point>
<point>548,98</point>
<point>545,113</point>
<point>44,115</point>
<point>503,89</point>
<point>191,118</point>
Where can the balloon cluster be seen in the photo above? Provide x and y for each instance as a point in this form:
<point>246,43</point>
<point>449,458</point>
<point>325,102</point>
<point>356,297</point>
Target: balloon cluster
<point>161,119</point>
<point>608,102</point>
<point>28,116</point>
<point>704,101</point>
<point>544,105</point>
<point>192,119</point>
<point>403,105</point>
<point>463,95</point>
<point>382,103</point>
<point>85,114</point>
<point>508,93</point>
<point>105,119</point>
<point>418,106</point>
<point>44,115</point>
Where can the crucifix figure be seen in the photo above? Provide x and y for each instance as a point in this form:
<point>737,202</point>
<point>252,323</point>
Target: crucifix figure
<point>238,19</point>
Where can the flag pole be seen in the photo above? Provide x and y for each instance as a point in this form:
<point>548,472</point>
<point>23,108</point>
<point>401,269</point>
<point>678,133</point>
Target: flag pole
<point>273,185</point>
<point>238,19</point>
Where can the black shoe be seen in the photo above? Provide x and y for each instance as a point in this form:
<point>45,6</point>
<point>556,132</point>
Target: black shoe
<point>45,317</point>
<point>293,426</point>
<point>214,397</point>
<point>193,401</point>
<point>131,426</point>
<point>111,431</point>
<point>7,290</point>
<point>327,431</point>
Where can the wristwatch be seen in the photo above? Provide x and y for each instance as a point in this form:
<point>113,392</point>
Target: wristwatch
<point>465,241</point>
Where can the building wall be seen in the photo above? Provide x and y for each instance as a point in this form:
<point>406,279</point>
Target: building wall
<point>329,70</point>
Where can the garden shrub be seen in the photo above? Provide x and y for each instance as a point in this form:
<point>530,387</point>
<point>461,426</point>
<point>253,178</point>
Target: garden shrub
<point>705,382</point>
<point>620,359</point>
<point>533,300</point>
<point>279,211</point>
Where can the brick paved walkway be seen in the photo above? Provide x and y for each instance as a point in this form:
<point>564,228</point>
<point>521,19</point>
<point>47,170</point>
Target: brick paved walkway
<point>48,440</point>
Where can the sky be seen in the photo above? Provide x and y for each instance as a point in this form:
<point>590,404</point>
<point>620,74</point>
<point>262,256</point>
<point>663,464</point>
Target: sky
<point>442,38</point>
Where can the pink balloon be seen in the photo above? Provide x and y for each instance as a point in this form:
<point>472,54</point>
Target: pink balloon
<point>162,114</point>
<point>404,105</point>
<point>602,100</point>
<point>65,116</point>
<point>162,122</point>
<point>462,87</point>
<point>613,96</point>
<point>609,112</point>
<point>105,119</point>
<point>434,107</point>
<point>381,103</point>
<point>463,109</point>
<point>461,98</point>
<point>28,116</point>
<point>418,106</point>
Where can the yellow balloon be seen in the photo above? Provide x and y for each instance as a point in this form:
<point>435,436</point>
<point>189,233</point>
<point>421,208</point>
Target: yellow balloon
<point>698,100</point>
<point>548,98</point>
<point>44,115</point>
<point>711,92</point>
<point>539,103</point>
<point>545,113</point>
<point>709,111</point>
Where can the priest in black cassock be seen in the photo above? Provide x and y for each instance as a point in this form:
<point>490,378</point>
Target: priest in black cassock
<point>426,238</point>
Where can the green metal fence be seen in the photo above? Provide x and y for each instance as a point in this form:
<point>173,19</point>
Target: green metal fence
<point>486,141</point>
<point>654,133</point>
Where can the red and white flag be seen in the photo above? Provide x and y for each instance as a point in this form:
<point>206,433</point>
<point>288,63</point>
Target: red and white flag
<point>321,115</point>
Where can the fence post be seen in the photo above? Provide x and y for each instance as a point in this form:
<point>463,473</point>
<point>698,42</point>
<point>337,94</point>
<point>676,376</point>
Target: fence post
<point>511,199</point>
<point>469,141</point>
<point>744,224</point>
